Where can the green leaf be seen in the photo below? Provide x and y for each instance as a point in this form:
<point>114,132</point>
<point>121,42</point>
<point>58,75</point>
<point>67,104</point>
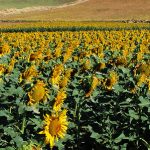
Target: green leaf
<point>95,93</point>
<point>5,113</point>
<point>59,145</point>
<point>118,88</point>
<point>8,148</point>
<point>133,114</point>
<point>77,100</point>
<point>75,92</point>
<point>10,131</point>
<point>21,108</point>
<point>144,102</point>
<point>149,109</point>
<point>132,138</point>
<point>19,91</point>
<point>18,140</point>
<point>120,138</point>
<point>125,70</point>
<point>95,135</point>
<point>37,122</point>
<point>144,118</point>
<point>124,147</point>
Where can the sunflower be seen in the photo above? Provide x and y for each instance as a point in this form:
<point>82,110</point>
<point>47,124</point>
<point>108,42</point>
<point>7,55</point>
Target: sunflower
<point>63,83</point>
<point>139,56</point>
<point>87,65</point>
<point>30,146</point>
<point>101,55</point>
<point>55,127</point>
<point>35,57</point>
<point>100,66</point>
<point>111,80</point>
<point>67,55</point>
<point>94,84</point>
<point>11,65</point>
<point>56,74</point>
<point>58,69</point>
<point>68,73</point>
<point>57,52</point>
<point>55,80</point>
<point>29,74</point>
<point>61,96</point>
<point>47,56</point>
<point>121,61</point>
<point>38,93</point>
<point>148,83</point>
<point>125,52</point>
<point>5,49</point>
<point>143,68</point>
<point>141,80</point>
<point>2,69</point>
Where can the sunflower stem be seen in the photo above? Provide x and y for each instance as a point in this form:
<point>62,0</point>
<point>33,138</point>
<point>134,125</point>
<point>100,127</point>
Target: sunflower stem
<point>77,122</point>
<point>23,125</point>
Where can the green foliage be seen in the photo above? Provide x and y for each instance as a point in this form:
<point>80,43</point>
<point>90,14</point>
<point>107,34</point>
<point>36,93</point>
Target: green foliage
<point>71,28</point>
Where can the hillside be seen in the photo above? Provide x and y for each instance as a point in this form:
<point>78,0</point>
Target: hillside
<point>7,4</point>
<point>84,10</point>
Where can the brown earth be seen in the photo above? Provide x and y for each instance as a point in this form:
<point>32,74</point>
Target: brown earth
<point>84,10</point>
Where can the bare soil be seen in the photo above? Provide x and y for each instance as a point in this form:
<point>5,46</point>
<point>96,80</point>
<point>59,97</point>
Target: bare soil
<point>84,10</point>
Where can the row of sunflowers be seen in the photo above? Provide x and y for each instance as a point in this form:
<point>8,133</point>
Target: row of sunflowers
<point>18,25</point>
<point>75,90</point>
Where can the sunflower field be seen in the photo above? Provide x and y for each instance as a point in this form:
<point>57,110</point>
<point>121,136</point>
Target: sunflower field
<point>75,90</point>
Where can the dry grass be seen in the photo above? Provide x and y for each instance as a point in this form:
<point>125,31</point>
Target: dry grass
<point>91,10</point>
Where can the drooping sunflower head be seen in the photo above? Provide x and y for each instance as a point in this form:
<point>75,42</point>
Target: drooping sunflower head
<point>68,73</point>
<point>121,61</point>
<point>94,84</point>
<point>143,68</point>
<point>101,55</point>
<point>56,75</point>
<point>67,55</point>
<point>141,79</point>
<point>36,55</point>
<point>29,74</point>
<point>148,83</point>
<point>139,56</point>
<point>125,52</point>
<point>38,93</point>
<point>32,57</point>
<point>5,49</point>
<point>87,65</point>
<point>2,69</point>
<point>30,146</point>
<point>47,56</point>
<point>11,65</point>
<point>61,96</point>
<point>1,52</point>
<point>100,66</point>
<point>55,127</point>
<point>58,69</point>
<point>57,52</point>
<point>63,83</point>
<point>111,80</point>
<point>55,80</point>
